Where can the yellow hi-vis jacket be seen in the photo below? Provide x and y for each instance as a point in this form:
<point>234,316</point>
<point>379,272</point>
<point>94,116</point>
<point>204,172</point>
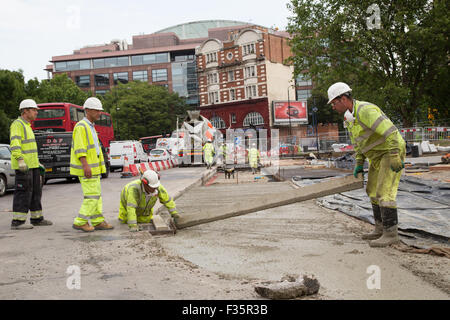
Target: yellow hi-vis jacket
<point>253,156</point>
<point>135,208</point>
<point>83,146</point>
<point>208,149</point>
<point>23,144</point>
<point>372,133</point>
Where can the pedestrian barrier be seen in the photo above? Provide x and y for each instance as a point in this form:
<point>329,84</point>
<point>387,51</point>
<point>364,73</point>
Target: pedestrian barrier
<point>132,170</point>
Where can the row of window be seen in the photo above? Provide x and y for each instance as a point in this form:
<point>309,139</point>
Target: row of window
<point>250,92</point>
<point>102,79</point>
<point>246,49</point>
<point>252,118</point>
<point>122,61</point>
<point>213,78</point>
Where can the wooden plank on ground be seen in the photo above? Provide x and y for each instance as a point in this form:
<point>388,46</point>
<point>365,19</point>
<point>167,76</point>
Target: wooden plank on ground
<point>195,211</point>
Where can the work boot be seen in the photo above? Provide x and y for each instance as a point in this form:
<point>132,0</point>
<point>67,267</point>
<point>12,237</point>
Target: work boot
<point>85,227</point>
<point>40,222</point>
<point>103,226</point>
<point>20,226</point>
<point>378,232</point>
<point>390,231</point>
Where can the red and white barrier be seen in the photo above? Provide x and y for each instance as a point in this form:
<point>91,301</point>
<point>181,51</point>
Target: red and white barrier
<point>155,166</point>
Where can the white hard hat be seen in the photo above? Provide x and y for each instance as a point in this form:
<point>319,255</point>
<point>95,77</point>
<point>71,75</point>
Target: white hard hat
<point>337,89</point>
<point>93,103</point>
<point>27,104</point>
<point>150,178</point>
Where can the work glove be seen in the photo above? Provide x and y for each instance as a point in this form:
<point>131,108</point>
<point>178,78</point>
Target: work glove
<point>41,169</point>
<point>22,165</point>
<point>134,228</point>
<point>175,216</point>
<point>396,162</point>
<point>358,168</point>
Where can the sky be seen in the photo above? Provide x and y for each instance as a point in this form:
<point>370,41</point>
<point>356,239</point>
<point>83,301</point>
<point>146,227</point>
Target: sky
<point>32,31</point>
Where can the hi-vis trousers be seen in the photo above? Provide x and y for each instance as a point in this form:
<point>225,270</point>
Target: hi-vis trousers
<point>27,195</point>
<point>92,206</point>
<point>382,183</point>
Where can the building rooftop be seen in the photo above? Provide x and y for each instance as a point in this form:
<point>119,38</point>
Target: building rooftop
<point>199,29</point>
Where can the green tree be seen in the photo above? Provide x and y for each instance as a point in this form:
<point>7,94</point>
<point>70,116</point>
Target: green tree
<point>12,92</point>
<point>5,123</point>
<point>399,62</point>
<point>59,89</point>
<point>139,109</point>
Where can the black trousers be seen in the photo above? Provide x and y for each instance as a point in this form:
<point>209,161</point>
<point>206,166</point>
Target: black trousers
<point>27,196</point>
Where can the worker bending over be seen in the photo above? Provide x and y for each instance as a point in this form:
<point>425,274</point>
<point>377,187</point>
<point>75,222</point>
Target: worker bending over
<point>375,138</point>
<point>138,198</point>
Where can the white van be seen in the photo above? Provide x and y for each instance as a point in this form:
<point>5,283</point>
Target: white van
<point>130,148</point>
<point>170,144</point>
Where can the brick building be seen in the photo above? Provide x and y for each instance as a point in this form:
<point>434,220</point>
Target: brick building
<point>241,76</point>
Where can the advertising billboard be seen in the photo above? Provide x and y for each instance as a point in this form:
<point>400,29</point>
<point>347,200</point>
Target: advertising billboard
<point>295,112</point>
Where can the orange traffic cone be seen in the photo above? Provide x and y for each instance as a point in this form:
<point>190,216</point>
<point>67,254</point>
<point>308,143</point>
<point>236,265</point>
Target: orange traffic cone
<point>126,173</point>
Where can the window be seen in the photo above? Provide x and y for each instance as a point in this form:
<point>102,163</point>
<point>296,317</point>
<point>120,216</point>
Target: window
<point>50,113</point>
<point>121,77</point>
<point>83,81</point>
<point>150,58</point>
<point>211,57</point>
<point>105,120</point>
<point>218,122</point>
<point>303,80</point>
<point>101,92</point>
<point>232,94</point>
<point>303,94</point>
<point>212,78</point>
<point>230,75</point>
<point>114,62</point>
<point>159,75</point>
<point>214,97</point>
<point>250,91</point>
<point>249,48</point>
<point>73,65</point>
<point>5,154</point>
<point>254,118</point>
<point>140,75</point>
<point>101,79</point>
<point>233,118</point>
<point>250,71</point>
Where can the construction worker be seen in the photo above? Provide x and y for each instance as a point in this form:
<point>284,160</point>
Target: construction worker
<point>86,162</point>
<point>28,169</point>
<point>375,138</point>
<point>253,157</point>
<point>138,198</point>
<point>208,153</point>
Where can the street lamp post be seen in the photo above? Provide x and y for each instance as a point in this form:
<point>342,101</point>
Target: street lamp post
<point>117,123</point>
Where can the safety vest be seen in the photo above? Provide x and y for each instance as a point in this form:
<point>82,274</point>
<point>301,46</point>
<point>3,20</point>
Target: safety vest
<point>83,146</point>
<point>133,198</point>
<point>209,150</point>
<point>372,133</point>
<point>253,154</point>
<point>23,144</point>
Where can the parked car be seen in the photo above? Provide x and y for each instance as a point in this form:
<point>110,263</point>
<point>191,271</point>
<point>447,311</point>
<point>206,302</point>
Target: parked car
<point>131,149</point>
<point>159,154</point>
<point>7,175</point>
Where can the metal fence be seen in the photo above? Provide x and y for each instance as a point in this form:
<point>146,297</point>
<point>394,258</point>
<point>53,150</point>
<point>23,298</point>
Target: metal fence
<point>295,145</point>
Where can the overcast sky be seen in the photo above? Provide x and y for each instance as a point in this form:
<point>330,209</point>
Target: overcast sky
<point>32,31</point>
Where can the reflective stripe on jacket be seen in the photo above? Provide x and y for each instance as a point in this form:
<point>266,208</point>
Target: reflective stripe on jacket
<point>133,199</point>
<point>83,146</point>
<point>372,132</point>
<point>23,144</point>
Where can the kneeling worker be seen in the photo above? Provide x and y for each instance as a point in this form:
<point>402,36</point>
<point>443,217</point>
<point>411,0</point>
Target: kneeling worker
<point>138,198</point>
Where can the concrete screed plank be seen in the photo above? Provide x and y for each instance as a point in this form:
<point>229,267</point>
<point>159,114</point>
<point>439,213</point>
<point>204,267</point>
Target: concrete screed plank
<point>206,204</point>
